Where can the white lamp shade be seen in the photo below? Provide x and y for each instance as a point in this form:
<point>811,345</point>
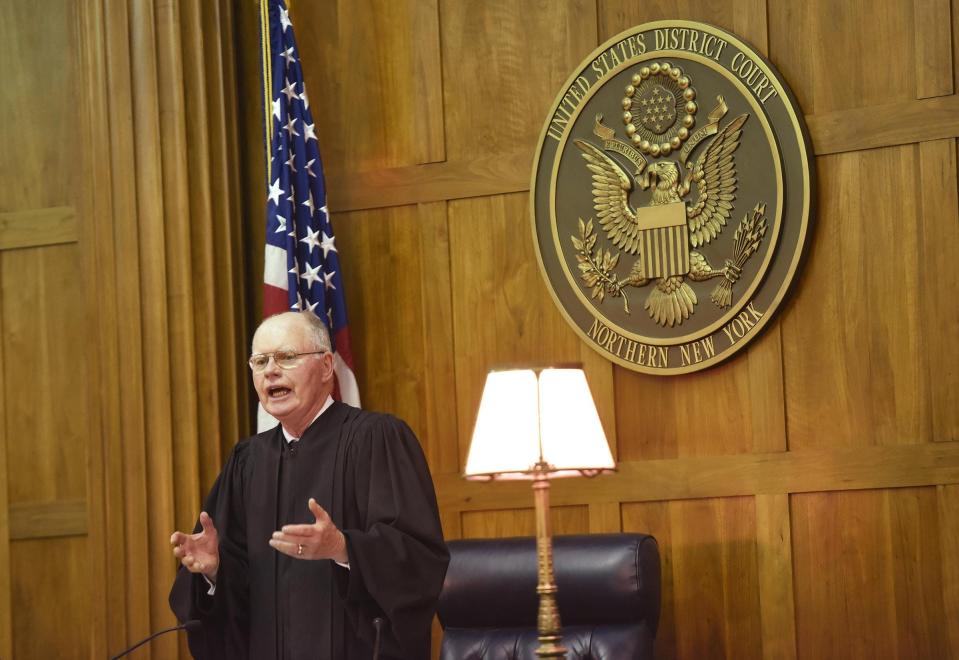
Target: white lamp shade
<point>528,417</point>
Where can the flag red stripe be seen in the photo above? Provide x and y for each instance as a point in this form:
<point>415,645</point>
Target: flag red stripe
<point>342,342</point>
<point>274,300</point>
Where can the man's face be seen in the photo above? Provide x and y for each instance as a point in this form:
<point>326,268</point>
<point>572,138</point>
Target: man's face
<point>293,396</point>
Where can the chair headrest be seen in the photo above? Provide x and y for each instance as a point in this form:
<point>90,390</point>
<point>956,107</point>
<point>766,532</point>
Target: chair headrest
<point>602,579</point>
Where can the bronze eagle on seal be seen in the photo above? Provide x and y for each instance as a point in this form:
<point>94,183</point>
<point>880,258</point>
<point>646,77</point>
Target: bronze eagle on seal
<point>677,226</point>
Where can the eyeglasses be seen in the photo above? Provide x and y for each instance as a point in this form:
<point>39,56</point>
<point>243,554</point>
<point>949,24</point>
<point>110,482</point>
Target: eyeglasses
<point>283,359</point>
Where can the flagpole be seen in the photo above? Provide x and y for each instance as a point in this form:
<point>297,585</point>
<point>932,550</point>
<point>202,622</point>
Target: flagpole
<point>267,82</point>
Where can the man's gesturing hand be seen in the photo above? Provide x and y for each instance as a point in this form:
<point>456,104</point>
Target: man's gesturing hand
<point>321,540</point>
<point>199,552</point>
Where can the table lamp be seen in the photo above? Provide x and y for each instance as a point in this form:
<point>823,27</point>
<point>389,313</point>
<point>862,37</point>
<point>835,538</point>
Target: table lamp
<point>539,423</point>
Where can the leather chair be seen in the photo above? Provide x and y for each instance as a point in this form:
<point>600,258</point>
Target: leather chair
<point>609,591</point>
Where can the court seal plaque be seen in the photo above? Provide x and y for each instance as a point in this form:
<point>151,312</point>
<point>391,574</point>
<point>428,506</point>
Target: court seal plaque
<point>672,196</point>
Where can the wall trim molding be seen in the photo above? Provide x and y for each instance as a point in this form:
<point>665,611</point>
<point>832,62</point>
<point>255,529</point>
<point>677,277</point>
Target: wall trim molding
<point>790,472</point>
<point>40,520</point>
<point>38,227</point>
<point>842,131</point>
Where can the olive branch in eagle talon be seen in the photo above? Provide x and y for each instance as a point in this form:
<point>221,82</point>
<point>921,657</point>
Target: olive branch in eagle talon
<point>596,271</point>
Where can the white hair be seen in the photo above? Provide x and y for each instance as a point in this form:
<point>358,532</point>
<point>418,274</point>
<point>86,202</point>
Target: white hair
<point>315,328</point>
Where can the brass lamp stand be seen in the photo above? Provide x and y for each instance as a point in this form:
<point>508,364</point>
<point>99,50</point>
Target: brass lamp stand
<point>548,620</point>
<point>539,423</point>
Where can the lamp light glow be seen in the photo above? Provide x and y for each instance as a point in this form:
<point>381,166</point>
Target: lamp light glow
<point>537,417</point>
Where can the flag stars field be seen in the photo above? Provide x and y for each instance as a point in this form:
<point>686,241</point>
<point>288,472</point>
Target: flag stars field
<point>296,274</point>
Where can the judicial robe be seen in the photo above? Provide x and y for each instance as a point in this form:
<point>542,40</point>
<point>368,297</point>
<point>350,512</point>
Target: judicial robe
<point>368,472</point>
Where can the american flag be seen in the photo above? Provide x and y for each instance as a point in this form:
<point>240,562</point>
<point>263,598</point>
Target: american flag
<point>302,266</point>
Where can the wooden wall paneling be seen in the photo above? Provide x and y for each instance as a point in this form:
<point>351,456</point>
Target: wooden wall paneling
<point>502,313</point>
<point>108,431</point>
<point>36,227</point>
<point>914,526</point>
<point>955,50</point>
<point>473,177</point>
<point>439,347</point>
<point>498,88</point>
<point>792,28</point>
<point>126,458</point>
<point>155,312</point>
<point>893,466</point>
<point>737,408</point>
<point>427,81</point>
<point>228,324</point>
<point>384,281</point>
<point>947,498</point>
<point>869,379</point>
<point>47,414</point>
<point>654,518</point>
<point>37,151</point>
<point>750,20</point>
<point>387,111</point>
<point>165,195</point>
<point>6,583</point>
<point>181,456</point>
<point>715,578</point>
<point>451,520</point>
<point>938,238</point>
<point>40,152</point>
<point>902,122</point>
<point>506,170</point>
<point>860,591</point>
<point>48,519</point>
<point>933,48</point>
<point>203,249</point>
<point>710,586</point>
<point>47,427</point>
<point>198,457</point>
<point>454,493</point>
<point>745,18</point>
<point>605,518</point>
<point>96,236</point>
<point>767,421</point>
<point>775,568</point>
<point>836,56</point>
<point>522,522</point>
<point>53,598</point>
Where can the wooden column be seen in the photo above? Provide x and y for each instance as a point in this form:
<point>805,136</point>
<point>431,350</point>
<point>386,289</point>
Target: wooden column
<point>168,323</point>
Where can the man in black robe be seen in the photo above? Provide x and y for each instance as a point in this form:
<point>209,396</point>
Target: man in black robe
<point>319,537</point>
